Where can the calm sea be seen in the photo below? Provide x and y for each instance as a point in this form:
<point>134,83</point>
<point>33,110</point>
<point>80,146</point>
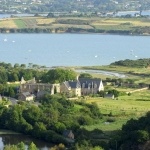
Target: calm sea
<point>71,49</point>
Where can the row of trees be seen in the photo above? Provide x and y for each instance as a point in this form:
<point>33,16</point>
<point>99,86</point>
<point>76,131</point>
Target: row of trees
<point>26,30</point>
<point>21,146</point>
<point>15,74</point>
<point>59,75</point>
<point>9,73</point>
<point>133,63</point>
<point>47,29</point>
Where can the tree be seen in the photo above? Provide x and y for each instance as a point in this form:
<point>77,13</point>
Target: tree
<point>10,147</point>
<point>59,75</point>
<point>115,92</point>
<point>28,75</point>
<point>50,15</point>
<point>38,130</point>
<point>85,75</point>
<point>101,93</point>
<point>32,146</point>
<point>3,76</point>
<point>1,89</point>
<point>16,65</point>
<point>15,77</point>
<point>23,65</point>
<point>32,114</point>
<point>58,147</point>
<point>11,92</point>
<point>21,146</point>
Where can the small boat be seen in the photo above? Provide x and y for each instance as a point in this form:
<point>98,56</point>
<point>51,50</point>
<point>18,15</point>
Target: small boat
<point>5,40</point>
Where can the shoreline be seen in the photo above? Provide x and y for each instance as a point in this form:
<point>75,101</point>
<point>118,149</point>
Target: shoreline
<point>6,132</point>
<point>100,33</point>
<point>103,72</point>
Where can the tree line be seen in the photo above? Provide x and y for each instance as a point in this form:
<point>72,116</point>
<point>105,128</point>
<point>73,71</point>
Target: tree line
<point>9,73</point>
<point>134,31</point>
<point>133,63</point>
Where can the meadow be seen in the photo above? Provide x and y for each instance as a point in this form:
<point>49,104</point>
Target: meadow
<point>118,111</point>
<point>7,23</point>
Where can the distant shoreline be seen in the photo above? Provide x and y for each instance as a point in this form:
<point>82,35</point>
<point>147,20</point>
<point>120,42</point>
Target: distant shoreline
<point>34,31</point>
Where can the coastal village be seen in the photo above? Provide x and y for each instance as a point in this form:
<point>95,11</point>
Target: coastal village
<point>81,87</point>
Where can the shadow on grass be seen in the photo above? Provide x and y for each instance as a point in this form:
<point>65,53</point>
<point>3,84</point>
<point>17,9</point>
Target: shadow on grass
<point>143,100</point>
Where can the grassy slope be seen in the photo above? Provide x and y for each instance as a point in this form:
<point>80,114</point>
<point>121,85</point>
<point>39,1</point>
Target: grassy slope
<point>123,109</point>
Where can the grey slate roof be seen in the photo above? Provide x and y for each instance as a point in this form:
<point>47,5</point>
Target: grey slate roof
<point>89,82</point>
<point>26,94</point>
<point>72,84</point>
<point>67,84</point>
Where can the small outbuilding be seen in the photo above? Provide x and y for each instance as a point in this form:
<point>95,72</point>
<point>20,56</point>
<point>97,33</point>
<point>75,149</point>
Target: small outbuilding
<point>68,134</point>
<point>110,96</point>
<point>26,96</point>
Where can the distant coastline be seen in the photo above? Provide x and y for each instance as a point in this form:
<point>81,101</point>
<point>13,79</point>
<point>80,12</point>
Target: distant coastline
<point>125,24</point>
<point>72,31</point>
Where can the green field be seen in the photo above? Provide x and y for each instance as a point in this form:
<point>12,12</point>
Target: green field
<point>121,110</point>
<point>20,23</point>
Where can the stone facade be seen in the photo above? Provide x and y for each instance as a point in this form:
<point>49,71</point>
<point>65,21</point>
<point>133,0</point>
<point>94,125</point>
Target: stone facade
<point>71,88</point>
<point>39,89</point>
<point>26,96</point>
<point>91,86</point>
<point>82,87</point>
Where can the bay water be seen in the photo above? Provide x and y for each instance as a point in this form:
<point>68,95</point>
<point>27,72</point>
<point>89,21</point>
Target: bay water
<point>71,49</point>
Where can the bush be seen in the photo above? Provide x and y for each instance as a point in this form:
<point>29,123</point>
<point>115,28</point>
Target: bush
<point>85,120</point>
<point>111,119</point>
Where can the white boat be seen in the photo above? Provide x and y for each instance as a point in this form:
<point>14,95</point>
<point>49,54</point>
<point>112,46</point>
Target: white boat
<point>5,40</point>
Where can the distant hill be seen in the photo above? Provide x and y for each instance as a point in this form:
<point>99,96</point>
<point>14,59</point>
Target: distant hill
<point>40,6</point>
<point>133,63</point>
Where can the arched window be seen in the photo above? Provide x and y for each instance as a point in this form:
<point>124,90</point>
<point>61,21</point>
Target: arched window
<point>83,85</point>
<point>95,85</point>
<point>89,86</point>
